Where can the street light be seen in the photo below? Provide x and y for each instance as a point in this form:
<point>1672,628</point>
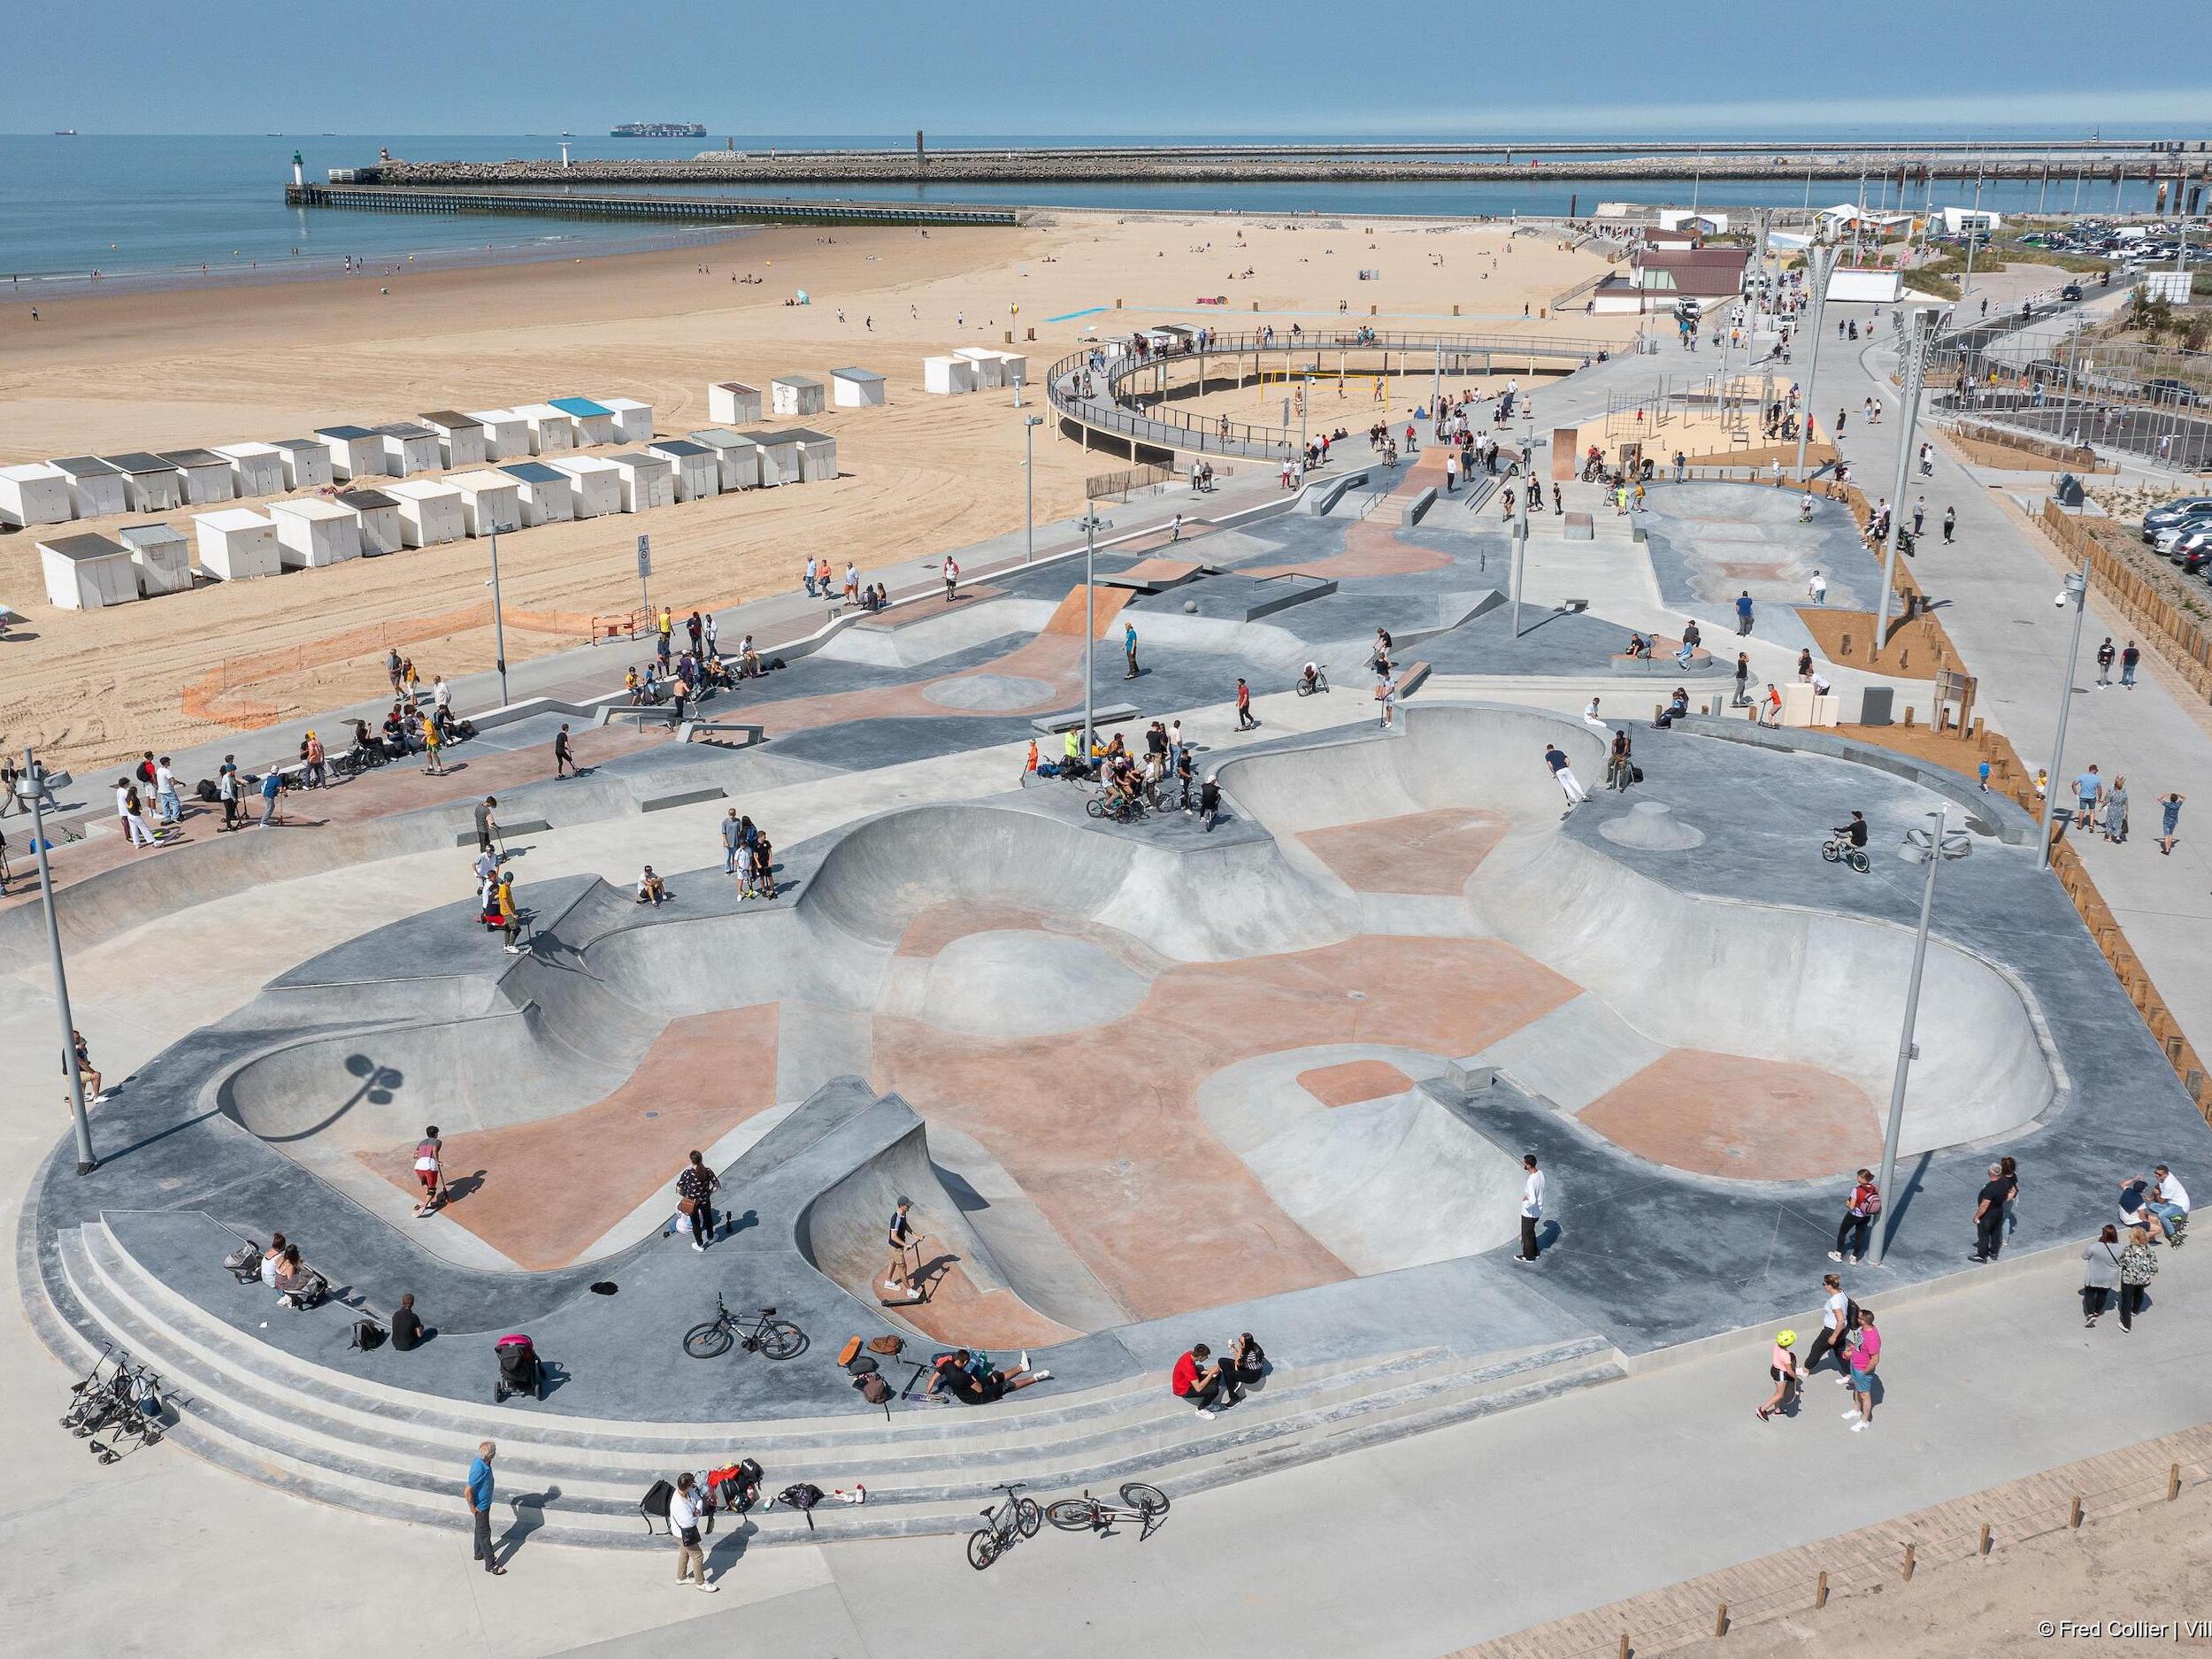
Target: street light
<point>1029,470</point>
<point>499,620</point>
<point>35,789</point>
<point>1820,263</point>
<point>1920,335</point>
<point>1929,847</point>
<point>1092,524</point>
<point>2075,592</point>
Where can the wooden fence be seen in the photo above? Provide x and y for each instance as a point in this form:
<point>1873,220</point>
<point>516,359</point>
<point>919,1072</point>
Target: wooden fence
<point>2171,632</point>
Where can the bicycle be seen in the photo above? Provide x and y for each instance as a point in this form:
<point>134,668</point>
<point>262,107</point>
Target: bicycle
<point>1016,1519</point>
<point>1837,850</point>
<point>1320,681</point>
<point>1147,1505</point>
<point>759,1333</point>
<point>1123,809</point>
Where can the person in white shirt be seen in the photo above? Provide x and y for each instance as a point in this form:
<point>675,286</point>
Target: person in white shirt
<point>1532,1209</point>
<point>683,1522</point>
<point>1805,507</point>
<point>440,694</point>
<point>1590,717</point>
<point>1835,1314</point>
<point>1816,589</point>
<point>714,637</point>
<point>165,793</point>
<point>2169,1202</point>
<point>133,823</point>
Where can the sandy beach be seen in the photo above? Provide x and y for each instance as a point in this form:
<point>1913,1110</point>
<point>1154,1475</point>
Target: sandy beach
<point>219,365</point>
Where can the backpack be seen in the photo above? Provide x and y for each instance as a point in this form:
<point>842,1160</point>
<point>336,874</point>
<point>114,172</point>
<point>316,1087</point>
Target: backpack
<point>802,1497</point>
<point>887,1345</point>
<point>367,1334</point>
<point>873,1389</point>
<point>205,790</point>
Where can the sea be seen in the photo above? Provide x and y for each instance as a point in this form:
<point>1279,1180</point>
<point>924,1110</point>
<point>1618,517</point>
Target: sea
<point>160,211</point>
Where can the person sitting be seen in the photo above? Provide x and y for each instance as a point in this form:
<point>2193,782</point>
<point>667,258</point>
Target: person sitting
<point>954,1375</point>
<point>1691,639</point>
<point>2168,1202</point>
<point>1620,769</point>
<point>406,1325</point>
<point>397,739</point>
<point>1638,645</point>
<point>297,1286</point>
<point>1208,1386</point>
<point>1854,831</point>
<point>651,889</point>
<point>1676,707</point>
<point>748,658</point>
<point>273,1258</point>
<point>2135,1210</point>
<point>650,689</point>
<point>1246,1362</point>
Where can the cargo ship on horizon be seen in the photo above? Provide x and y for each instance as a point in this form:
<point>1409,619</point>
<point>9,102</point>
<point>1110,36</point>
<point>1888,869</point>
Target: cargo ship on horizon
<point>658,129</point>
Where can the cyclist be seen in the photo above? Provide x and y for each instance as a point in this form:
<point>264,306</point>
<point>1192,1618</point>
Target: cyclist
<point>1854,831</point>
<point>1309,678</point>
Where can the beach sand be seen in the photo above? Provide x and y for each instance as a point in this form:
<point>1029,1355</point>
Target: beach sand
<point>199,367</point>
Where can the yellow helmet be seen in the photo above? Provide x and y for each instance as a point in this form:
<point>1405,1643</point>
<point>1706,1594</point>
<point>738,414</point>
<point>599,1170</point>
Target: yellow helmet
<point>1786,1338</point>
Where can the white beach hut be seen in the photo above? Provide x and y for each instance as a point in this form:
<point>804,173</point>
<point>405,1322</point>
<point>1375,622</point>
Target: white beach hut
<point>87,572</point>
<point>37,492</point>
<point>546,494</point>
<point>355,451</point>
<point>990,368</point>
<point>1013,368</point>
<point>796,395</point>
<point>206,476</point>
<point>779,457</point>
<point>429,512</point>
<point>595,421</point>
<point>490,501</point>
<point>96,487</point>
<point>598,485</point>
<point>647,481</point>
<point>506,433</point>
<point>633,420</point>
<point>409,448</point>
<point>551,432</point>
<point>315,531</point>
<point>306,463</point>
<point>256,468</point>
<point>856,389</point>
<point>161,556</point>
<point>733,403</point>
<point>947,375</point>
<point>381,531</point>
<point>150,483</point>
<point>698,468</point>
<point>818,455</point>
<point>462,440</point>
<point>736,455</point>
<point>237,544</point>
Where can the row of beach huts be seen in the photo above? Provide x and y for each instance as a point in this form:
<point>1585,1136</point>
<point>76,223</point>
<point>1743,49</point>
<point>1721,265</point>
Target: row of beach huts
<point>973,369</point>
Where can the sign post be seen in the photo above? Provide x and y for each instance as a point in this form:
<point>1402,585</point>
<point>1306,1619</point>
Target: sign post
<point>644,575</point>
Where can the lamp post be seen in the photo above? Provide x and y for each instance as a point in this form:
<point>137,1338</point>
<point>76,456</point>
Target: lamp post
<point>1820,263</point>
<point>1920,333</point>
<point>1092,524</point>
<point>1973,234</point>
<point>1929,847</point>
<point>499,618</point>
<point>1029,478</point>
<point>35,789</point>
<point>2075,592</point>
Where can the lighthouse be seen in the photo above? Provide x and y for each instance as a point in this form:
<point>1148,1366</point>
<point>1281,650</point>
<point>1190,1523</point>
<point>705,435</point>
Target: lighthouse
<point>299,170</point>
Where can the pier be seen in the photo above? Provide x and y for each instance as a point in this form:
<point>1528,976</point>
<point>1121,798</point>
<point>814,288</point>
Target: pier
<point>644,205</point>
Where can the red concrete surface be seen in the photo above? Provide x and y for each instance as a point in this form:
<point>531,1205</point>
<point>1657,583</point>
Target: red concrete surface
<point>1725,1114</point>
<point>1354,1081</point>
<point>1430,853</point>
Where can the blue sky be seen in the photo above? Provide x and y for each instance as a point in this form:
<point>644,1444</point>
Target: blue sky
<point>1138,68</point>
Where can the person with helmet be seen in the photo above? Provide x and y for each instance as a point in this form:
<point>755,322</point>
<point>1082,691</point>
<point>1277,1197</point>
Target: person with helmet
<point>1783,1368</point>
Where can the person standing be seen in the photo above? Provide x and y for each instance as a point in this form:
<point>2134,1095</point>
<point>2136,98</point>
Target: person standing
<point>430,1172</point>
<point>1245,722</point>
<point>1387,694</point>
<point>952,578</point>
<point>227,791</point>
<point>2101,1274</point>
<point>1866,1354</point>
<point>2168,816</point>
<point>430,741</point>
<point>127,809</point>
<point>2138,1267</point>
<point>2129,658</point>
<point>1989,1214</point>
<point>272,786</point>
<point>1816,589</point>
<point>734,841</point>
<point>1859,1211</point>
<point>2105,653</point>
<point>2088,791</point>
<point>1532,1208</point>
<point>391,669</point>
<point>2115,811</point>
<point>563,757</point>
<point>1129,649</point>
<point>1743,611</point>
<point>1835,1324</point>
<point>1555,758</point>
<point>695,1196</point>
<point>1950,523</point>
<point>1743,680</point>
<point>486,827</point>
<point>165,793</point>
<point>898,1270</point>
<point>1783,1369</point>
<point>509,918</point>
<point>479,1491</point>
<point>683,1522</point>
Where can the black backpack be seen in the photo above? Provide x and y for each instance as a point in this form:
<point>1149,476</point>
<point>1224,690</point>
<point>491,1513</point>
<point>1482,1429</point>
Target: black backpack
<point>367,1334</point>
<point>802,1497</point>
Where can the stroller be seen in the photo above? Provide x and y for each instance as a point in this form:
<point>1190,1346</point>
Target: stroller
<point>520,1372</point>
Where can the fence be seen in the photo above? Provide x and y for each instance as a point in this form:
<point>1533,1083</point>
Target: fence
<point>1994,447</point>
<point>1118,486</point>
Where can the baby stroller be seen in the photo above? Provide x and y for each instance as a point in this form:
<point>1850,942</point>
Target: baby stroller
<point>520,1370</point>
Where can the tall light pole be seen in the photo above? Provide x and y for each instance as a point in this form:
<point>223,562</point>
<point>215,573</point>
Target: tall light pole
<point>499,618</point>
<point>1973,231</point>
<point>34,788</point>
<point>1919,332</point>
<point>1092,524</point>
<point>1029,477</point>
<point>2075,592</point>
<point>1820,264</point>
<point>1930,847</point>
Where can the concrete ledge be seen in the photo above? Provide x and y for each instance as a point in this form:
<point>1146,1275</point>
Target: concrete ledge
<point>754,732</point>
<point>521,827</point>
<point>642,712</point>
<point>1109,714</point>
<point>685,797</point>
<point>1411,677</point>
<point>1664,666</point>
<point>1323,498</point>
<point>1417,509</point>
<point>1576,526</point>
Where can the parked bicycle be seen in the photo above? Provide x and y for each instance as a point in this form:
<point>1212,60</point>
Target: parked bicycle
<point>1146,1505</point>
<point>760,1333</point>
<point>1017,1517</point>
<point>1309,682</point>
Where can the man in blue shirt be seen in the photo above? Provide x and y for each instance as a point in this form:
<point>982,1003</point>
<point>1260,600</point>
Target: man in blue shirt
<point>272,783</point>
<point>2088,789</point>
<point>479,1501</point>
<point>1743,611</point>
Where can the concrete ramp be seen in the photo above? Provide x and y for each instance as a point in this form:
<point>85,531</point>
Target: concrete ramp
<point>1067,617</point>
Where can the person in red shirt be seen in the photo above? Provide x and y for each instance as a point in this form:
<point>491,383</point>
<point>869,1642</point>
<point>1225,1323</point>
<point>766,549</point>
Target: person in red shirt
<point>1208,1386</point>
<point>1865,1203</point>
<point>1245,722</point>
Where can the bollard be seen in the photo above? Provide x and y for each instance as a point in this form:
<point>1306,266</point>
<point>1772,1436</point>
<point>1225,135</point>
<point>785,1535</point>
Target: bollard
<point>1820,1590</point>
<point>1908,1561</point>
<point>1720,1620</point>
<point>2074,1518</point>
<point>1983,1548</point>
<point>2173,1481</point>
<point>1625,1645</point>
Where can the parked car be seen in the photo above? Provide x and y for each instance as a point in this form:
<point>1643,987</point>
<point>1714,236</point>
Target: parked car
<point>2166,516</point>
<point>2171,539</point>
<point>2166,389</point>
<point>2194,552</point>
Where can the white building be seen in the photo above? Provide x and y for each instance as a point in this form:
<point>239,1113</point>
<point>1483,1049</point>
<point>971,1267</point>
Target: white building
<point>551,432</point>
<point>796,395</point>
<point>732,403</point>
<point>736,454</point>
<point>409,448</point>
<point>595,421</point>
<point>150,483</point>
<point>547,494</point>
<point>633,420</point>
<point>490,501</point>
<point>597,485</point>
<point>237,544</point>
<point>698,468</point>
<point>1013,368</point>
<point>779,457</point>
<point>506,433</point>
<point>947,376</point>
<point>1981,220</point>
<point>206,476</point>
<point>818,455</point>
<point>381,529</point>
<point>162,557</point>
<point>856,389</point>
<point>1704,221</point>
<point>990,368</point>
<point>647,481</point>
<point>256,468</point>
<point>306,463</point>
<point>35,493</point>
<point>96,487</point>
<point>462,440</point>
<point>313,532</point>
<point>87,572</point>
<point>429,512</point>
<point>355,451</point>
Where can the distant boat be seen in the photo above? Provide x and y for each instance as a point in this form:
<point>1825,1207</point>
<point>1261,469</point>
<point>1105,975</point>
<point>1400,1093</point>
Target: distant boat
<point>568,135</point>
<point>658,129</point>
<point>64,132</point>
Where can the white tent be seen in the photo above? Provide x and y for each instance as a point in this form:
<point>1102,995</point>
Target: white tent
<point>595,421</point>
<point>779,456</point>
<point>947,375</point>
<point>313,531</point>
<point>647,481</point>
<point>429,512</point>
<point>355,451</point>
<point>96,487</point>
<point>506,433</point>
<point>856,389</point>
<point>256,468</point>
<point>733,403</point>
<point>633,420</point>
<point>990,368</point>
<point>409,448</point>
<point>598,485</point>
<point>736,454</point>
<point>547,494</point>
<point>87,573</point>
<point>550,431</point>
<point>381,531</point>
<point>237,544</point>
<point>306,463</point>
<point>206,475</point>
<point>796,395</point>
<point>490,501</point>
<point>698,468</point>
<point>150,483</point>
<point>818,455</point>
<point>462,440</point>
<point>161,556</point>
